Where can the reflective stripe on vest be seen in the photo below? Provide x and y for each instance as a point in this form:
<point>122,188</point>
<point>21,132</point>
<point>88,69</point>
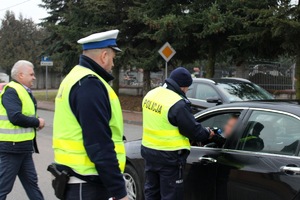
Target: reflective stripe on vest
<point>67,133</point>
<point>248,138</point>
<point>4,117</point>
<point>16,131</point>
<point>8,131</point>
<point>158,132</point>
<point>11,128</point>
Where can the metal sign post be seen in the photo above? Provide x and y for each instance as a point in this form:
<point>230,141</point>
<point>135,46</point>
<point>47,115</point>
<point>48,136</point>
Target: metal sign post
<point>166,69</point>
<point>46,61</point>
<point>46,82</point>
<point>167,52</point>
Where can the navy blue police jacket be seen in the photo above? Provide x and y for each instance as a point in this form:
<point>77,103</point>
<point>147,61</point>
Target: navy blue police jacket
<point>13,107</point>
<point>89,101</point>
<point>179,115</point>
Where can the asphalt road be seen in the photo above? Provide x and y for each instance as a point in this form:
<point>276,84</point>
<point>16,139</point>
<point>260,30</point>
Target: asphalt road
<point>45,157</point>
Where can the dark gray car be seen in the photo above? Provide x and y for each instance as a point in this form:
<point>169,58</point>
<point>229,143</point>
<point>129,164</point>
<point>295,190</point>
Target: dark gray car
<point>205,93</point>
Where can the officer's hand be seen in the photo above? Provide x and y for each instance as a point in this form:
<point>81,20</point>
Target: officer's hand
<point>211,134</point>
<point>125,198</point>
<point>42,123</point>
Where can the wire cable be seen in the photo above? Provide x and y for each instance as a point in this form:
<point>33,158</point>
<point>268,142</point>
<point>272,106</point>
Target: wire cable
<point>14,5</point>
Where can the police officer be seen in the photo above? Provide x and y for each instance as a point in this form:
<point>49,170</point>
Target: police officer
<point>168,125</point>
<point>18,124</point>
<point>88,124</point>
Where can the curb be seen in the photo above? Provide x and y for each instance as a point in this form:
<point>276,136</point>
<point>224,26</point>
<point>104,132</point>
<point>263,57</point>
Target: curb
<point>138,123</point>
<point>131,111</point>
<point>133,122</point>
<point>50,109</point>
<point>42,108</point>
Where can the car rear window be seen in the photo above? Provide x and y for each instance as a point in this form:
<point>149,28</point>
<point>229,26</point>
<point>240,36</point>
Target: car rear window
<point>244,91</point>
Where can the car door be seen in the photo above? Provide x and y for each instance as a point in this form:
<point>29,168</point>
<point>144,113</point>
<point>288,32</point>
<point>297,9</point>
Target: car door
<point>266,163</point>
<point>202,167</point>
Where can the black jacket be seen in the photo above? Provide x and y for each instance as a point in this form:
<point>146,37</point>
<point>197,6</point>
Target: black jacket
<point>90,104</point>
<point>13,106</point>
<point>179,115</point>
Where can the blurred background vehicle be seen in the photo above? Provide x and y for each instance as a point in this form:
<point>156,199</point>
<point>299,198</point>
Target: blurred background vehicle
<point>2,86</point>
<point>205,93</point>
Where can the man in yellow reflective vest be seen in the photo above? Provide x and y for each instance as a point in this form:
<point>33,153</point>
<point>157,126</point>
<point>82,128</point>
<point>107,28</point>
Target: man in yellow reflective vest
<point>168,125</point>
<point>18,124</point>
<point>88,124</point>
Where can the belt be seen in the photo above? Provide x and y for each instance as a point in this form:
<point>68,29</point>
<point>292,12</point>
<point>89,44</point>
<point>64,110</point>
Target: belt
<point>75,180</point>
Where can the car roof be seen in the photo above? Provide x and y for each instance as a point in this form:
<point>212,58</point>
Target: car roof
<point>222,80</point>
<point>290,106</point>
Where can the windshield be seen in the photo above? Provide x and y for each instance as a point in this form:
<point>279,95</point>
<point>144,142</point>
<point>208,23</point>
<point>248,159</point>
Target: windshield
<point>244,91</point>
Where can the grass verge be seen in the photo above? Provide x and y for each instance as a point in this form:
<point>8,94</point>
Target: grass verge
<point>41,95</point>
<point>133,103</point>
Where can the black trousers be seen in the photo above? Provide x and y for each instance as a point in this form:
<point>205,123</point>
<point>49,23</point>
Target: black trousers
<point>21,165</point>
<point>163,182</point>
<point>86,191</point>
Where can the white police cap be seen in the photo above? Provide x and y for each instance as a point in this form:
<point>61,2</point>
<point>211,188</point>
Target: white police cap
<point>100,40</point>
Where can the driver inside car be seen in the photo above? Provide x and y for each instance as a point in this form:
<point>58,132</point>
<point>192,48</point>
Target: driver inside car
<point>252,142</point>
<point>219,140</point>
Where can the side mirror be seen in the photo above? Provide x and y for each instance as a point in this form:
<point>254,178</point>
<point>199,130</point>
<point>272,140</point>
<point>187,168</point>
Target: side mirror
<point>215,100</point>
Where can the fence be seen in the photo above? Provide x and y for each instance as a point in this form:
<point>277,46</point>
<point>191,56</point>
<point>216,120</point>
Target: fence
<point>273,78</point>
<point>131,81</point>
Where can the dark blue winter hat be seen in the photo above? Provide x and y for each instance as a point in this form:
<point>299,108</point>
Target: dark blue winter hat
<point>182,77</point>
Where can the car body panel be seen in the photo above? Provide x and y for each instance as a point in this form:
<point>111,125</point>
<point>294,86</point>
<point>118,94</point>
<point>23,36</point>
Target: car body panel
<point>258,176</point>
<point>134,158</point>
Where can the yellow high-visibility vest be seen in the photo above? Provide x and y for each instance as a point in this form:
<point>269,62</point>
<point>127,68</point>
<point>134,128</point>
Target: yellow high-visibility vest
<point>67,133</point>
<point>10,132</point>
<point>158,132</point>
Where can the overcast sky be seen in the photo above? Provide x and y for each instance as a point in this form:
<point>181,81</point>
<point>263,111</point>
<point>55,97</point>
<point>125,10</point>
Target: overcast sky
<point>29,9</point>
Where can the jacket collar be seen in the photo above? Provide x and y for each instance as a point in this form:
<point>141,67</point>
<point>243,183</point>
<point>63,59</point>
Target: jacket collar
<point>92,65</point>
<point>26,88</point>
<point>172,85</point>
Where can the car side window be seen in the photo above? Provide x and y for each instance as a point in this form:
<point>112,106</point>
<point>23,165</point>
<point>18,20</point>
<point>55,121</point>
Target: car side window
<point>271,132</point>
<point>223,124</point>
<point>204,91</point>
<point>190,92</point>
<point>217,120</point>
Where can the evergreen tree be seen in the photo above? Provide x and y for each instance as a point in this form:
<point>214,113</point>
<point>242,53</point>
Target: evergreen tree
<point>72,20</point>
<point>212,22</point>
<point>235,30</point>
<point>20,39</point>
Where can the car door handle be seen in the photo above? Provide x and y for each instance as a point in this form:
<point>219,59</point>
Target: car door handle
<point>287,169</point>
<point>207,159</point>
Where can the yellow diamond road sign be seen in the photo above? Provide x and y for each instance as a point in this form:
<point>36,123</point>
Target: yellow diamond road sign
<point>167,52</point>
